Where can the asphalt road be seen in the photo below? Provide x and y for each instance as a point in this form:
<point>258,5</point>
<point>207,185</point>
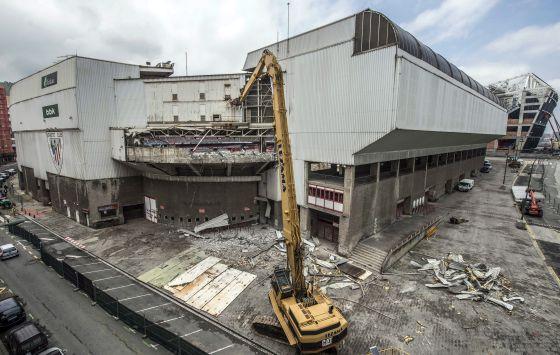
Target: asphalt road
<point>71,321</point>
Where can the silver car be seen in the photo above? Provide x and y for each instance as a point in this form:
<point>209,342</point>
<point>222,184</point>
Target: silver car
<point>8,251</point>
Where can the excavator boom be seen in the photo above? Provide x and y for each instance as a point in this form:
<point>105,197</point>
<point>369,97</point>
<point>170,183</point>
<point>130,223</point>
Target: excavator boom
<point>306,317</point>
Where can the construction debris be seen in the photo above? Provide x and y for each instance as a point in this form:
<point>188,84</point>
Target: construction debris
<point>455,220</point>
<point>477,282</point>
<point>220,221</point>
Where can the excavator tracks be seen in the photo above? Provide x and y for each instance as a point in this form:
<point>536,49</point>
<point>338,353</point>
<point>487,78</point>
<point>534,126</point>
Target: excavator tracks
<point>270,327</point>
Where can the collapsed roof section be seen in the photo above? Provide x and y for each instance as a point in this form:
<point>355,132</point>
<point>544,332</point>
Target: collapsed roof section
<point>373,30</point>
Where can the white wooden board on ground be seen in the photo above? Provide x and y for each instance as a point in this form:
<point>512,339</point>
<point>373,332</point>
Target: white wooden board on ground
<point>213,288</point>
<point>194,272</point>
<point>198,284</point>
<point>228,294</point>
<point>210,285</point>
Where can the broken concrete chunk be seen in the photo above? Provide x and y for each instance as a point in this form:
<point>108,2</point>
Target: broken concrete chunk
<point>515,298</point>
<point>415,264</point>
<point>436,285</point>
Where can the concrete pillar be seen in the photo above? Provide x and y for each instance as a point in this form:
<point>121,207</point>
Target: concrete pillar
<point>305,222</point>
<point>345,228</point>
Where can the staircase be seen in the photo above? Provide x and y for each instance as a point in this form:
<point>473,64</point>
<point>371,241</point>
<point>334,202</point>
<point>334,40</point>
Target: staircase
<point>368,257</point>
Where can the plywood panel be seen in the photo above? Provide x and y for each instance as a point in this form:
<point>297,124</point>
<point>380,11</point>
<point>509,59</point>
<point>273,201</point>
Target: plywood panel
<point>194,272</point>
<point>213,288</point>
<point>228,294</point>
<point>200,282</point>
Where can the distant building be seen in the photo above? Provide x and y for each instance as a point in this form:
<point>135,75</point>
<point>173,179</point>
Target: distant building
<point>530,102</point>
<point>7,152</point>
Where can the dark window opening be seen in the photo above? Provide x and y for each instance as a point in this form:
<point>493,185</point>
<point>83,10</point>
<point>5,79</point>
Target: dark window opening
<point>206,219</point>
<point>432,161</point>
<point>227,97</point>
<point>442,159</point>
<point>405,166</point>
<point>175,118</point>
<point>197,219</point>
<point>525,128</point>
<point>203,117</point>
<point>189,220</point>
<point>181,219</point>
<point>202,96</point>
<point>531,100</point>
<point>531,107</point>
<point>233,218</point>
<point>216,117</point>
<point>172,218</point>
<point>174,97</point>
<point>529,114</point>
<point>420,163</point>
<point>242,218</point>
<point>387,169</point>
<point>511,129</point>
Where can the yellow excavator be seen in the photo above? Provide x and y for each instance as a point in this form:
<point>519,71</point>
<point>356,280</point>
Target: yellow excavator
<point>305,317</point>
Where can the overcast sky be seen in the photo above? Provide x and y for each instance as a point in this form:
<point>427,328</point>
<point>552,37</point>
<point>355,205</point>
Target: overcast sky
<point>489,39</point>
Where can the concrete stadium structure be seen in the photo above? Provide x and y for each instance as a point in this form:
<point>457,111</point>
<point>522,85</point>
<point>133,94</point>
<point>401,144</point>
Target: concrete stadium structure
<point>380,125</point>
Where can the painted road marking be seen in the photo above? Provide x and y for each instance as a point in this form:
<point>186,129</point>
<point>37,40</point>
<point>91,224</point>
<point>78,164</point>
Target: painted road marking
<point>133,297</point>
<point>116,288</point>
<point>149,344</point>
<point>147,309</point>
<point>107,278</point>
<point>94,271</point>
<point>224,348</point>
<point>169,320</point>
<point>193,332</point>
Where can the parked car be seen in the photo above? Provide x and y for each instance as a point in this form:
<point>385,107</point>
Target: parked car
<point>25,339</point>
<point>485,169</point>
<point>8,251</point>
<point>11,313</point>
<point>6,204</point>
<point>465,185</point>
<point>51,351</point>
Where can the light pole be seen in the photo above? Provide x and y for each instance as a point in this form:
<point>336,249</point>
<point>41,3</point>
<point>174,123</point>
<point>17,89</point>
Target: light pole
<point>505,169</point>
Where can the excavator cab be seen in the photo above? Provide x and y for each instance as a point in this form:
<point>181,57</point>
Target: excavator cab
<point>281,282</point>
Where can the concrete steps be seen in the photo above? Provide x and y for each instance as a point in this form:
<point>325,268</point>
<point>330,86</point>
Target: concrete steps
<point>368,257</point>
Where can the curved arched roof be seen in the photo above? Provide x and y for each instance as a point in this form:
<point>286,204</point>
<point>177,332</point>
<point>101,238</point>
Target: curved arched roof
<point>375,30</point>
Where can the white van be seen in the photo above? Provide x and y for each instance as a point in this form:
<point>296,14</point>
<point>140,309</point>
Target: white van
<point>465,185</point>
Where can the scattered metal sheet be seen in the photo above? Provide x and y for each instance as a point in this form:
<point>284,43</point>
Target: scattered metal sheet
<point>217,222</point>
<point>354,271</point>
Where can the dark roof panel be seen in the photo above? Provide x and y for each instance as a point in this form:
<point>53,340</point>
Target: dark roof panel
<point>391,33</point>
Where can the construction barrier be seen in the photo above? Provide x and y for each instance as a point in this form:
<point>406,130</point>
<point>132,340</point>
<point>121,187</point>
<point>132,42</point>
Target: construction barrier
<point>171,341</point>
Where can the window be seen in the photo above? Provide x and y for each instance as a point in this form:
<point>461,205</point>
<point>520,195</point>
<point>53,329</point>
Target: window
<point>202,118</point>
<point>216,117</point>
<point>227,85</point>
<point>202,96</point>
<point>512,128</point>
<point>189,220</point>
<point>174,97</point>
<point>242,218</point>
<point>202,112</point>
<point>175,109</point>
<point>529,114</point>
<point>181,219</point>
<point>197,219</point>
<point>227,97</point>
<point>206,219</point>
<point>525,128</point>
<point>532,100</point>
<point>531,107</point>
<point>233,218</point>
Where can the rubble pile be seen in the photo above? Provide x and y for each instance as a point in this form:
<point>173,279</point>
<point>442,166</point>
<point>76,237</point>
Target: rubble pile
<point>477,282</point>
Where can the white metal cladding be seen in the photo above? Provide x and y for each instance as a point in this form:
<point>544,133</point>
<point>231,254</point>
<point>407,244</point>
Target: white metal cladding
<point>131,103</point>
<point>28,115</point>
<point>189,105</point>
<point>118,146</point>
<point>339,103</point>
<point>328,35</point>
<point>269,186</point>
<point>430,102</point>
<point>97,112</point>
<point>33,152</point>
<point>30,86</point>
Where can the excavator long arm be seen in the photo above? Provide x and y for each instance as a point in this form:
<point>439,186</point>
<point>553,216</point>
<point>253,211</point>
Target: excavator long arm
<point>290,215</point>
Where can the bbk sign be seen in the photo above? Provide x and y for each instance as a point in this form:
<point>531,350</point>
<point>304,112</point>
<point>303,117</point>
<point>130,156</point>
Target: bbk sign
<point>48,80</point>
<point>50,111</point>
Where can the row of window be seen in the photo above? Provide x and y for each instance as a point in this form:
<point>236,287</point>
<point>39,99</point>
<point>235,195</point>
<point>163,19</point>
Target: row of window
<point>198,219</point>
<point>329,195</point>
<point>202,95</point>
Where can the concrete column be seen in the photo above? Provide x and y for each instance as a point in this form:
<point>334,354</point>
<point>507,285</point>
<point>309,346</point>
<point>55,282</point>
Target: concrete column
<point>305,222</point>
<point>345,227</point>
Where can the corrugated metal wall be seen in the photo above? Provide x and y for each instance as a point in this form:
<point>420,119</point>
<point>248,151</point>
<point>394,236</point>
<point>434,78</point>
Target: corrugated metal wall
<point>429,102</point>
<point>34,153</point>
<point>160,103</point>
<point>338,103</point>
<point>131,103</point>
<point>28,115</point>
<point>30,86</point>
<point>97,112</point>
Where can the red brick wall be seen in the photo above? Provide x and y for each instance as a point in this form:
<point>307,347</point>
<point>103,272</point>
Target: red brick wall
<point>5,128</point>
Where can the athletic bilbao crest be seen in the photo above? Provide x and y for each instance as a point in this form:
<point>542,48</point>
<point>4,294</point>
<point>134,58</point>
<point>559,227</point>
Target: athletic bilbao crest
<point>54,139</point>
